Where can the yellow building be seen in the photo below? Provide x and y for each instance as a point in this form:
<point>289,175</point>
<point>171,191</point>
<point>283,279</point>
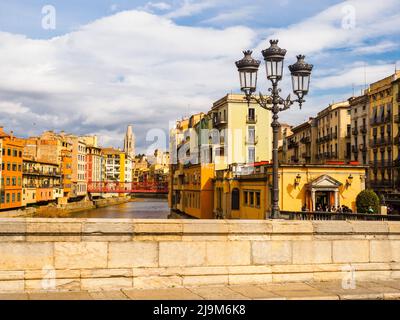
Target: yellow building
<point>243,131</point>
<point>191,190</point>
<point>333,125</point>
<point>359,107</point>
<point>298,147</point>
<point>383,110</point>
<point>246,194</point>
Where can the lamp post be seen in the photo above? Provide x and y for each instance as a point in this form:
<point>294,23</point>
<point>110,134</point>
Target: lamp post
<point>300,72</point>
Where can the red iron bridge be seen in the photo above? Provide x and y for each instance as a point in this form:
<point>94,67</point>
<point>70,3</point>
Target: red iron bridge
<point>127,187</point>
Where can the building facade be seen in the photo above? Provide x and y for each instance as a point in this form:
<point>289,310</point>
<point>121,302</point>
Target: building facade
<point>246,194</point>
<point>299,146</point>
<point>42,182</point>
<point>11,170</point>
<point>382,100</point>
<point>359,107</point>
<point>333,137</point>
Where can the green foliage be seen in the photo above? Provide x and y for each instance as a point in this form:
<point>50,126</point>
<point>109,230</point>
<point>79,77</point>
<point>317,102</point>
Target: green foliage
<point>367,200</point>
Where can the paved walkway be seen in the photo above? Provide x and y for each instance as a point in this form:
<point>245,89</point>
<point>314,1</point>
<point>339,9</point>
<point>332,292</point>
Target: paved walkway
<point>273,291</point>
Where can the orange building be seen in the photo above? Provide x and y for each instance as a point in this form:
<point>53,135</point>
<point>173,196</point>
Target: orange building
<point>66,171</point>
<point>191,190</point>
<point>11,167</point>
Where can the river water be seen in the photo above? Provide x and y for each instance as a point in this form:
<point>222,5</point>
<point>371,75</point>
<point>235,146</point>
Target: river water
<point>139,209</point>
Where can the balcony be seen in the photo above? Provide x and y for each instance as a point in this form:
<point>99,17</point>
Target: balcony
<point>381,163</point>
<point>377,142</point>
<point>348,135</point>
<point>305,155</point>
<point>363,129</point>
<point>251,140</point>
<point>363,148</point>
<point>305,140</point>
<point>251,119</point>
<point>220,121</point>
<point>334,135</point>
<point>375,121</point>
<point>292,144</point>
<point>354,131</point>
<point>354,149</point>
<point>32,171</point>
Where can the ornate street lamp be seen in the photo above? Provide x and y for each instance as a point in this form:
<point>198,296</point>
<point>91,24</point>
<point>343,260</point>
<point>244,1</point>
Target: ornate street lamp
<point>301,73</point>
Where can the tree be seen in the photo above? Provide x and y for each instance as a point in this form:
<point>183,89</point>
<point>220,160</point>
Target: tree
<point>367,200</point>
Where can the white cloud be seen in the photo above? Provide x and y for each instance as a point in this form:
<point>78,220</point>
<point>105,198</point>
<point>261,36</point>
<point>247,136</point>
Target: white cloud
<point>192,7</point>
<point>132,67</point>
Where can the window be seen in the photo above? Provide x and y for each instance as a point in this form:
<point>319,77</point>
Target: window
<point>8,198</point>
<point>252,134</point>
<point>18,197</point>
<point>235,199</point>
<point>258,199</point>
<point>251,155</point>
<point>246,197</point>
<point>251,194</point>
<point>13,197</point>
<point>251,114</point>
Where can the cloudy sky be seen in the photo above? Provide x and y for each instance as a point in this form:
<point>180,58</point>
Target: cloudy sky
<point>106,63</point>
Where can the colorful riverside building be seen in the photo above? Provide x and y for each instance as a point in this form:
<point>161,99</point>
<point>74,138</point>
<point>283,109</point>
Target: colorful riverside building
<point>117,168</point>
<point>41,182</point>
<point>11,171</point>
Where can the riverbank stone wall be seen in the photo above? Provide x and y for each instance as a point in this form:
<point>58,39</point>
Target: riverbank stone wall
<point>101,254</point>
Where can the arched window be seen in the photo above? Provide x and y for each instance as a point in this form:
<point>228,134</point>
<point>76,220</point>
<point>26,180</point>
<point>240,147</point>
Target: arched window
<point>235,199</point>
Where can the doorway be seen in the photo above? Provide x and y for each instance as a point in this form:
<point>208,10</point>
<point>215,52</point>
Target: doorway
<point>322,200</point>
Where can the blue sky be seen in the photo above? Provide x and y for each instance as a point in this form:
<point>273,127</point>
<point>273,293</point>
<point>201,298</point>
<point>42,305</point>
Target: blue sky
<point>109,63</point>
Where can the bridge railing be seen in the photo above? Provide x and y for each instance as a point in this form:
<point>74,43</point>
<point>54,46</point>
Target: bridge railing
<point>300,215</point>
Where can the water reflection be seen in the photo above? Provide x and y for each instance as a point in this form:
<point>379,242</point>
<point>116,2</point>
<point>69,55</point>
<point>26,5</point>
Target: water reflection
<point>139,209</point>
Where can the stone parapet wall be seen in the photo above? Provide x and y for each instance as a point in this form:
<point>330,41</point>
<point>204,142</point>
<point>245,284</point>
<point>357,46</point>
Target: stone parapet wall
<point>95,254</point>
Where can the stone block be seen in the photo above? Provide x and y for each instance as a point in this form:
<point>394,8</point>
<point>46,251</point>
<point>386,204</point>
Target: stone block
<point>350,251</point>
<point>25,256</point>
<point>370,227</point>
<point>106,283</point>
<point>208,227</point>
<point>157,227</point>
<point>228,253</point>
<point>271,252</point>
<point>394,227</point>
<point>132,254</point>
<point>80,255</point>
<point>37,285</point>
<point>292,227</point>
<point>236,279</point>
<point>155,282</point>
<point>205,280</point>
<point>292,277</point>
<point>15,226</point>
<point>116,227</point>
<point>332,227</point>
<point>54,227</point>
<point>161,294</point>
<point>182,254</point>
<point>251,227</point>
<point>314,252</point>
<point>380,251</point>
<point>12,286</point>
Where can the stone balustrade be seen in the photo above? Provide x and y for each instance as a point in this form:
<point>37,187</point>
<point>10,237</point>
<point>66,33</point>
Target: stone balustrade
<point>95,254</point>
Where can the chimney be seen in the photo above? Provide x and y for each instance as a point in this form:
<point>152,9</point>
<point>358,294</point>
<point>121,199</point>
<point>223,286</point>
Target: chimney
<point>12,134</point>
